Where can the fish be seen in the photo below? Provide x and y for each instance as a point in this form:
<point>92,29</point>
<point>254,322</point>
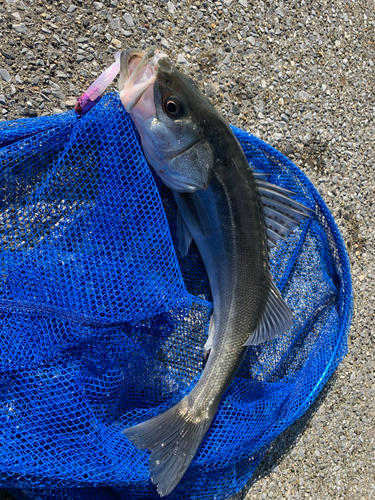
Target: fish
<point>235,218</point>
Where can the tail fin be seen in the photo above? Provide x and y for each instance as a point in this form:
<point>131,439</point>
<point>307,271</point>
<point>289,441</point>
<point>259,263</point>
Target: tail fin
<point>173,438</point>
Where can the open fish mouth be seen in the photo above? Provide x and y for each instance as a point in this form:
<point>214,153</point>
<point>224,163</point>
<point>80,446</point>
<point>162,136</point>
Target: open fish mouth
<point>138,75</point>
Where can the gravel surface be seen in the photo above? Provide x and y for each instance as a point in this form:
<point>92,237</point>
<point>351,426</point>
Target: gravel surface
<point>300,76</point>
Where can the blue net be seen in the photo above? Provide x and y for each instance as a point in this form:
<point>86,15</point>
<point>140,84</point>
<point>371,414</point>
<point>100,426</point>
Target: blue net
<point>103,323</point>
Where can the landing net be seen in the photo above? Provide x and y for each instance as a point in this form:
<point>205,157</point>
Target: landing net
<point>103,323</point>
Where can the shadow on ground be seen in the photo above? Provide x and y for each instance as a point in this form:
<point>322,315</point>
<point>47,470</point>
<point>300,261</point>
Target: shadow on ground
<point>285,442</point>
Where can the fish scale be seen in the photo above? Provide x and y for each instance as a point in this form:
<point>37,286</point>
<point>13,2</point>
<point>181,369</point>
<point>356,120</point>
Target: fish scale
<point>232,327</point>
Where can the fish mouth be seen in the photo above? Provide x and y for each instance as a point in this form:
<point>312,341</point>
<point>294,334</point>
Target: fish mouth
<point>138,73</point>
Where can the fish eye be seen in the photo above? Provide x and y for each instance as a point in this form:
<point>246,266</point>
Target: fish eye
<point>174,107</point>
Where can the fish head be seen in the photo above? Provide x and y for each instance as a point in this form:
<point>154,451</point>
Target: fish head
<point>172,117</point>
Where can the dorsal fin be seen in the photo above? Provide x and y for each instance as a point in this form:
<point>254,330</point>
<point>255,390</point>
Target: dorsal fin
<point>282,196</point>
<point>272,238</point>
<point>275,215</point>
<point>281,213</point>
<point>292,213</point>
<point>277,229</point>
<point>260,176</point>
<point>277,318</point>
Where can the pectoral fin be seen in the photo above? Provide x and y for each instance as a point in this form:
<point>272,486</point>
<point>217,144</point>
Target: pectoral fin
<point>188,212</point>
<point>184,236</point>
<point>277,319</point>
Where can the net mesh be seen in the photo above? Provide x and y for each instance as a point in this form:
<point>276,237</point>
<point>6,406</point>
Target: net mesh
<point>103,323</point>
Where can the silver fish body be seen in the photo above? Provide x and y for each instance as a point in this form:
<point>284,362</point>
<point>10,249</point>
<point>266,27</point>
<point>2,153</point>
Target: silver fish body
<point>196,154</point>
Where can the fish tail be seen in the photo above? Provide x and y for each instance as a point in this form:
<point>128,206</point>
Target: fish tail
<point>173,438</point>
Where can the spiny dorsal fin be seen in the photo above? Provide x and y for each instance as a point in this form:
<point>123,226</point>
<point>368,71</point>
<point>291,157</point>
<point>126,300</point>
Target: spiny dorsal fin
<point>282,196</point>
<point>281,213</point>
<point>277,229</point>
<point>272,237</point>
<point>291,212</point>
<point>260,176</point>
<point>277,318</point>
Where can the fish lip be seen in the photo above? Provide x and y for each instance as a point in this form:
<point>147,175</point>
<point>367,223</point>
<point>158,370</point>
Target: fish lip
<point>142,63</point>
<point>147,56</point>
<point>125,58</point>
<point>165,63</point>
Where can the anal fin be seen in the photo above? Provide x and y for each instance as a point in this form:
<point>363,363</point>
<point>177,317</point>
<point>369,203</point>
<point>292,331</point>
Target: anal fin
<point>211,331</point>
